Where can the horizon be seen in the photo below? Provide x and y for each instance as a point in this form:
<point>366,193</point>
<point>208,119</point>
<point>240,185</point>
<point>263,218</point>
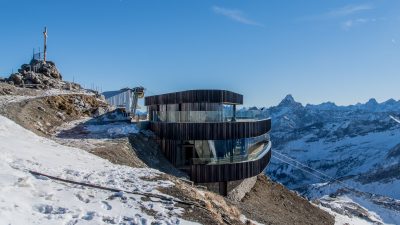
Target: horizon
<point>342,52</point>
<point>305,104</point>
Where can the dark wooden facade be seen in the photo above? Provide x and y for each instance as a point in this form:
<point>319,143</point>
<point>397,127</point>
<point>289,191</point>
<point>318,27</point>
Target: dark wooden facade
<point>211,131</point>
<point>229,172</point>
<point>210,96</point>
<point>173,136</point>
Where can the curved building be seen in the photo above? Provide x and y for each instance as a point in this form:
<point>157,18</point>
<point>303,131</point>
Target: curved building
<point>200,132</point>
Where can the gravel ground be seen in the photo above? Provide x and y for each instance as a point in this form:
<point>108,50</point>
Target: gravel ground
<point>272,203</point>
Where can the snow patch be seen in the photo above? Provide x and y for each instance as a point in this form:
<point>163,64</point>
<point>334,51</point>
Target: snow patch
<point>114,129</point>
<point>25,198</point>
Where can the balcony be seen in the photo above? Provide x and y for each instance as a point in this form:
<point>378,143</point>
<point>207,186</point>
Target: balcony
<point>207,116</point>
<point>255,152</point>
<point>205,173</point>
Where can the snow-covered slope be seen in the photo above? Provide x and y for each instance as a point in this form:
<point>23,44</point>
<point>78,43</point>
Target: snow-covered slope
<point>29,199</point>
<point>358,144</point>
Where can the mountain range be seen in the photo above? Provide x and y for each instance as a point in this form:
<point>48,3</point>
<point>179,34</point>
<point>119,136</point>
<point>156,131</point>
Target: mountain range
<point>342,156</point>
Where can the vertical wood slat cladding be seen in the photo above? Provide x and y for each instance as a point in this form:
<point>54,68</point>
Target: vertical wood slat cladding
<point>229,172</point>
<point>169,148</point>
<point>210,96</point>
<point>211,131</point>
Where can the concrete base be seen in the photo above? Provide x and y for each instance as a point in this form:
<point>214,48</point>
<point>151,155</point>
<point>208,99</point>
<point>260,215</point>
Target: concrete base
<point>234,190</point>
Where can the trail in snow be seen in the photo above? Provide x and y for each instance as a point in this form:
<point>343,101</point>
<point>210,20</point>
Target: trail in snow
<point>29,199</point>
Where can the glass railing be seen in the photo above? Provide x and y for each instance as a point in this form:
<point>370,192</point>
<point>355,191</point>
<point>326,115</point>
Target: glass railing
<point>251,115</point>
<point>256,154</point>
<point>204,116</point>
<point>192,116</point>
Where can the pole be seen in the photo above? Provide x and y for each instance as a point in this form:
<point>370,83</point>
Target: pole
<point>45,45</point>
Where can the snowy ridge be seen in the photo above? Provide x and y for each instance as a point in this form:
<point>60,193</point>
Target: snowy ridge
<point>27,199</point>
<point>357,144</point>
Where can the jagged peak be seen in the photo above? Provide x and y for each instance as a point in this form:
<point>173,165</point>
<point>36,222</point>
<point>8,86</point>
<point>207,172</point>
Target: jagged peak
<point>372,101</point>
<point>288,100</point>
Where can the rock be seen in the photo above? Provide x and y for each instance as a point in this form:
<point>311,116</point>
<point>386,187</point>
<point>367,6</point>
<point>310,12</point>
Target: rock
<point>99,111</point>
<point>69,86</point>
<point>41,76</point>
<point>33,77</point>
<point>60,115</point>
<point>25,68</point>
<point>16,78</point>
<point>41,109</point>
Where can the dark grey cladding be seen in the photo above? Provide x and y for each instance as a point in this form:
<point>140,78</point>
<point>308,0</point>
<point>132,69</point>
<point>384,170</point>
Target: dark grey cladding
<point>209,96</point>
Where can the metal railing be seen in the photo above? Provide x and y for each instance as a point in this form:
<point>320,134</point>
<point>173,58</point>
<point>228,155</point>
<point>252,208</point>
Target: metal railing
<point>235,159</point>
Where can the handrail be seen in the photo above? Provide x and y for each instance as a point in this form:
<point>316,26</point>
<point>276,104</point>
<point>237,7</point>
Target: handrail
<point>234,159</point>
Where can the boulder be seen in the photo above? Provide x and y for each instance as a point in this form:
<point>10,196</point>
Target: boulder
<point>60,115</point>
<point>25,68</point>
<point>99,111</point>
<point>33,77</point>
<point>16,78</point>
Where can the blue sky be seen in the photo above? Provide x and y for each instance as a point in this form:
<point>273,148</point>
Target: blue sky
<point>317,50</point>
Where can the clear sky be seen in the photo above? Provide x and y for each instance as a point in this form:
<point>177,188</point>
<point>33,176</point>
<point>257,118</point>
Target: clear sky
<point>317,50</point>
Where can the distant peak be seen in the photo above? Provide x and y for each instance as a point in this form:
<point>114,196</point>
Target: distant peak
<point>390,101</point>
<point>288,100</point>
<point>372,101</point>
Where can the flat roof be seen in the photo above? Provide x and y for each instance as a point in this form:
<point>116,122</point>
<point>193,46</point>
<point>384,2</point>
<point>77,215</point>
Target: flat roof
<point>194,96</point>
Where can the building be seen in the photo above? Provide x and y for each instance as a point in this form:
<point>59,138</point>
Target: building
<point>120,99</point>
<point>126,98</point>
<point>199,133</point>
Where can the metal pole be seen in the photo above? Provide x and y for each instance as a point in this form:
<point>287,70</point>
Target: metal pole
<point>45,45</point>
<point>234,113</point>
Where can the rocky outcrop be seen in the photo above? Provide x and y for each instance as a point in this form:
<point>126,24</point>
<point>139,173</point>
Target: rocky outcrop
<point>40,75</point>
<point>242,188</point>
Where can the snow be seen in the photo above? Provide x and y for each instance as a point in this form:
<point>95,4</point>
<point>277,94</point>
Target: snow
<point>347,208</point>
<point>339,158</point>
<point>343,219</point>
<point>113,129</point>
<point>5,99</point>
<point>29,199</point>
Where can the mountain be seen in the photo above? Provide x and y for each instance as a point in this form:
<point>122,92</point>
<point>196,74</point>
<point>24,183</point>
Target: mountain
<point>329,150</point>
